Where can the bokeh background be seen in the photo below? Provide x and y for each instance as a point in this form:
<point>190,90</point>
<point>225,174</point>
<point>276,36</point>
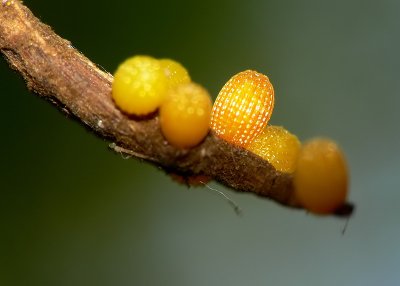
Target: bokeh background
<point>74,213</point>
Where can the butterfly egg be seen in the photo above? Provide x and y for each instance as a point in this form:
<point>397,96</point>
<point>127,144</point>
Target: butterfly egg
<point>174,72</point>
<point>243,108</point>
<point>277,146</point>
<point>139,85</point>
<point>185,115</point>
<point>321,178</point>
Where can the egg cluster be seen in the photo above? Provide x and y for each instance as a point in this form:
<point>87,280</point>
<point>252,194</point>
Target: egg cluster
<point>240,115</point>
<point>143,84</point>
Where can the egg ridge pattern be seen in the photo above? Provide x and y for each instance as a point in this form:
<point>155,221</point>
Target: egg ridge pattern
<point>243,108</point>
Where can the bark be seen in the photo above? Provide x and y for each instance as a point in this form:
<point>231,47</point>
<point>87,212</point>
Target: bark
<point>54,70</point>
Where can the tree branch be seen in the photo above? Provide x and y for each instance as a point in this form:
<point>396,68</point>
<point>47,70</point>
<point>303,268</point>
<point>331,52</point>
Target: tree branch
<point>56,71</point>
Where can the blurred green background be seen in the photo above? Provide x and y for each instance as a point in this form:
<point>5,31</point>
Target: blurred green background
<point>74,213</point>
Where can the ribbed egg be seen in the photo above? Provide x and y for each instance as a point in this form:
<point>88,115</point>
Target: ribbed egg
<point>243,108</point>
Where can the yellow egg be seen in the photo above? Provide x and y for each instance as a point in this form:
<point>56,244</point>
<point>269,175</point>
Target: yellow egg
<point>185,115</point>
<point>174,72</point>
<point>243,108</point>
<point>321,178</point>
<point>278,146</point>
<point>139,85</point>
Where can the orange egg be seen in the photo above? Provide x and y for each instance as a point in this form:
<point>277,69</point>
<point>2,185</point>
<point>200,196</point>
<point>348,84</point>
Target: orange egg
<point>243,108</point>
<point>321,177</point>
<point>185,115</point>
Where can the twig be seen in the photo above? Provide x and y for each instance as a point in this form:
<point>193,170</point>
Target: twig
<point>56,71</point>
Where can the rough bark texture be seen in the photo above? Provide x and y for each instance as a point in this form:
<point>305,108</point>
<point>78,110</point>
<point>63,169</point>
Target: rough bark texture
<point>56,71</point>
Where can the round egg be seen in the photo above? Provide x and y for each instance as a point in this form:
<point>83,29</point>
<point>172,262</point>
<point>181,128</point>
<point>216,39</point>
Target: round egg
<point>185,115</point>
<point>321,177</point>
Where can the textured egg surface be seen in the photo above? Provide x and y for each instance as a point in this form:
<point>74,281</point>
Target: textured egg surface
<point>278,146</point>
<point>175,73</point>
<point>139,85</point>
<point>243,108</point>
<point>185,115</point>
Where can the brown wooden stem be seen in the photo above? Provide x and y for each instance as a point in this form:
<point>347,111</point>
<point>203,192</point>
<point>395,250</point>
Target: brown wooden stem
<point>56,71</point>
